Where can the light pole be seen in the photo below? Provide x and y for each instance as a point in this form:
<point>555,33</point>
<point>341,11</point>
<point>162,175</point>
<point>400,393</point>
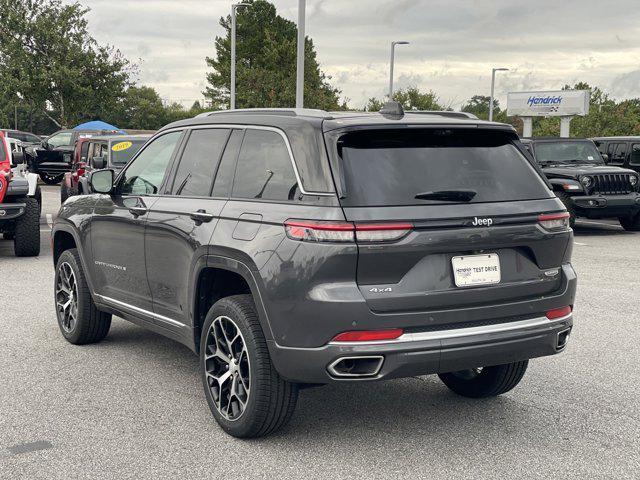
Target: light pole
<point>393,55</point>
<point>493,84</point>
<point>234,7</point>
<point>300,55</point>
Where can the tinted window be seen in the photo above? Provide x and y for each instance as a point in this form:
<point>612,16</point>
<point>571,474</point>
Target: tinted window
<point>84,149</point>
<point>264,168</point>
<point>635,154</point>
<point>123,151</point>
<point>199,162</point>
<point>146,172</point>
<point>404,167</point>
<point>63,138</point>
<point>224,176</point>
<point>32,138</point>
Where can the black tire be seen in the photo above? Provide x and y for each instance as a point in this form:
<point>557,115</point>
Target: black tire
<point>631,224</point>
<point>38,197</point>
<point>487,382</point>
<point>64,193</point>
<point>91,325</point>
<point>566,200</point>
<point>51,179</point>
<point>271,400</point>
<point>26,240</point>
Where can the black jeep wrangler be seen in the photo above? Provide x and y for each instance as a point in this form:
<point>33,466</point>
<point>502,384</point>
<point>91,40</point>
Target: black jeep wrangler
<point>290,248</point>
<point>587,186</point>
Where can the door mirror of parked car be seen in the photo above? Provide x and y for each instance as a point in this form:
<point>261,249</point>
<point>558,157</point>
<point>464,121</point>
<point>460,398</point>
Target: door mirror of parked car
<point>101,181</point>
<point>605,157</point>
<point>17,157</point>
<point>99,162</point>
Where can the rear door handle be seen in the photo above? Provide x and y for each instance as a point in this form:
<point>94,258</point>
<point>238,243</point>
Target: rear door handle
<point>201,216</point>
<point>138,211</point>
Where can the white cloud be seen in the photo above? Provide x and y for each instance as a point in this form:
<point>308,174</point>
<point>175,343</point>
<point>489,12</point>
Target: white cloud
<point>454,43</point>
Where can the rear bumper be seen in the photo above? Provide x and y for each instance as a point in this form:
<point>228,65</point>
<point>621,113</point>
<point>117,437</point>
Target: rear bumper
<point>9,211</point>
<point>428,352</point>
<point>601,206</point>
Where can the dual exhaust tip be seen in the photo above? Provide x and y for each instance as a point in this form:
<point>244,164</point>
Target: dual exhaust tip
<point>370,366</point>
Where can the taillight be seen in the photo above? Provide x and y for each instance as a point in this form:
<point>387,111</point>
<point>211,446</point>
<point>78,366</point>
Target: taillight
<point>558,313</point>
<point>381,232</point>
<point>554,221</point>
<point>319,231</point>
<point>330,231</point>
<point>368,335</point>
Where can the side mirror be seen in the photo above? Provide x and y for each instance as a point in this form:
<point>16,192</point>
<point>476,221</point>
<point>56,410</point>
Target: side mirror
<point>101,181</point>
<point>605,157</point>
<point>17,158</point>
<point>99,162</point>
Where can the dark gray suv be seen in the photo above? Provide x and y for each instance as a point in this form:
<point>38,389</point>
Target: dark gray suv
<point>291,248</point>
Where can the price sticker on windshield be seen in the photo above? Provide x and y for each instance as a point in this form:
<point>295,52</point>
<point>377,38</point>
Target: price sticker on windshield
<point>119,147</point>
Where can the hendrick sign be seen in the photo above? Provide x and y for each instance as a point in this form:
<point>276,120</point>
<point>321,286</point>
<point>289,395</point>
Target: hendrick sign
<point>548,104</point>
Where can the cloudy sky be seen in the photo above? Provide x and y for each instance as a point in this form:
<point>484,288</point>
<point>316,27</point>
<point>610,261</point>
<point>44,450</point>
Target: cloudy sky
<point>454,43</point>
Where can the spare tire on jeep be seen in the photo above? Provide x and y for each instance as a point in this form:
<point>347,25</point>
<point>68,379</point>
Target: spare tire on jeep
<point>26,240</point>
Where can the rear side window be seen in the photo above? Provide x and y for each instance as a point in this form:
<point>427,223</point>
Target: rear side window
<point>264,169</point>
<point>199,161</point>
<point>423,166</point>
<point>226,169</point>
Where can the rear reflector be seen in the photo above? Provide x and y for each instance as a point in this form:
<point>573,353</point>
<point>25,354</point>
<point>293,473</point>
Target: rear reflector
<point>332,231</point>
<point>554,221</point>
<point>369,335</point>
<point>558,313</point>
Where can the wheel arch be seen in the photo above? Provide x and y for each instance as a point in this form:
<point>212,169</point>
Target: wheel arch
<point>216,277</point>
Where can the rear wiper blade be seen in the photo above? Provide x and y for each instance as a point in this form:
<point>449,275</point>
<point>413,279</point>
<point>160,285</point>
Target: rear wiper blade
<point>448,195</point>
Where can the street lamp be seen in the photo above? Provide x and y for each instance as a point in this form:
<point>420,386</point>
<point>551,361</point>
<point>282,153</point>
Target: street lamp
<point>300,55</point>
<point>393,54</point>
<point>234,7</point>
<point>493,84</point>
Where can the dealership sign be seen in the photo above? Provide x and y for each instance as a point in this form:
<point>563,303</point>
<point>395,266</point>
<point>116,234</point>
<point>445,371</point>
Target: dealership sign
<point>548,104</point>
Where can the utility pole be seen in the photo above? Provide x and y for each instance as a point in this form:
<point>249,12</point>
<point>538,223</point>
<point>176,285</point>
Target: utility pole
<point>391,63</point>
<point>300,59</point>
<point>493,83</point>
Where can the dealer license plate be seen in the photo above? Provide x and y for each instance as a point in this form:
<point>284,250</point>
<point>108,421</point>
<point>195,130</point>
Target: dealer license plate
<point>471,270</point>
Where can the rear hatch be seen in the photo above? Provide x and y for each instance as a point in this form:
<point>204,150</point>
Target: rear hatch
<point>470,221</point>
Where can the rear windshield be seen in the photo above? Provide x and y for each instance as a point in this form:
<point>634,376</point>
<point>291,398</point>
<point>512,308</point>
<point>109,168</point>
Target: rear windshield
<point>122,152</point>
<point>424,166</point>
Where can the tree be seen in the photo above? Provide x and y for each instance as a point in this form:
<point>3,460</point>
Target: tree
<point>266,64</point>
<point>53,66</point>
<point>410,98</point>
<point>141,108</point>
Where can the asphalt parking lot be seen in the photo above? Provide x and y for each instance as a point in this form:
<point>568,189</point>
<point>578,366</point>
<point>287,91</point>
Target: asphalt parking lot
<point>132,406</point>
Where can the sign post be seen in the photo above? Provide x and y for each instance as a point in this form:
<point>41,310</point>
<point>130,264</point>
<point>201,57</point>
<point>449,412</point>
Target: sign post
<point>565,104</point>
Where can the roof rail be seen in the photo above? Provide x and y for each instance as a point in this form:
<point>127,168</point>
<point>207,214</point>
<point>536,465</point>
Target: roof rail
<point>290,112</point>
<point>446,113</point>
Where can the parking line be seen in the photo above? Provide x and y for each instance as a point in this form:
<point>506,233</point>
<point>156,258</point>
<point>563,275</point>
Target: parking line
<point>49,220</point>
<point>581,244</point>
<point>600,223</point>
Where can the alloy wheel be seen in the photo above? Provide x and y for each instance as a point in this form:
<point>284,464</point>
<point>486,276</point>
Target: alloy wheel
<point>226,363</point>
<point>67,297</point>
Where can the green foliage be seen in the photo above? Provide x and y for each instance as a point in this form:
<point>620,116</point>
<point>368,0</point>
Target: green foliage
<point>266,64</point>
<point>479,106</point>
<point>51,66</point>
<point>410,98</point>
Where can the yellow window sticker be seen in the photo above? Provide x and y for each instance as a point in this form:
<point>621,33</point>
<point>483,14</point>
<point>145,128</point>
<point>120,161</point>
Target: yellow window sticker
<point>118,147</point>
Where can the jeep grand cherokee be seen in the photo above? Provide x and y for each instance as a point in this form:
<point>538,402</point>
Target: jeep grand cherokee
<point>290,248</point>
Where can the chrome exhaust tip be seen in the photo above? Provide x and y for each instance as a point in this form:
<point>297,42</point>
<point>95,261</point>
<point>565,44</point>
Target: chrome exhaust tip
<point>356,367</point>
<point>562,339</point>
